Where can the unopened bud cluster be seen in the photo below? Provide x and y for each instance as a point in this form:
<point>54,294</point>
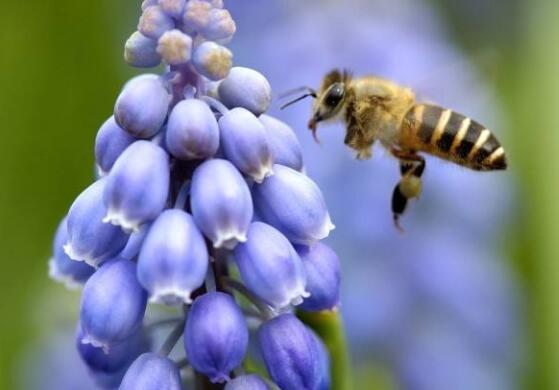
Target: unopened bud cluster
<point>196,182</point>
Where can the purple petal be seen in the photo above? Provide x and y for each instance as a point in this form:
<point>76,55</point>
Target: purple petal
<point>192,131</point>
<point>216,335</point>
<point>110,142</point>
<point>283,142</point>
<point>270,267</point>
<point>112,305</point>
<point>174,260</point>
<point>245,143</point>
<point>61,267</point>
<point>245,87</point>
<point>152,372</point>
<point>322,268</point>
<point>89,239</point>
<point>140,51</point>
<point>291,353</point>
<point>137,186</point>
<point>141,107</point>
<point>293,204</point>
<point>221,203</point>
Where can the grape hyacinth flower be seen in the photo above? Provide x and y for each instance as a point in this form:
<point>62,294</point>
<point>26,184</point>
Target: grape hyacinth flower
<point>89,239</point>
<point>183,161</point>
<point>283,142</point>
<point>173,260</point>
<point>270,267</point>
<point>245,143</point>
<point>110,142</point>
<point>293,204</point>
<point>141,51</point>
<point>61,267</point>
<point>137,186</point>
<point>142,106</point>
<point>216,335</point>
<point>245,87</point>
<point>119,356</point>
<point>291,353</point>
<point>152,372</point>
<point>322,268</point>
<point>221,203</point>
<point>192,131</point>
<point>113,304</point>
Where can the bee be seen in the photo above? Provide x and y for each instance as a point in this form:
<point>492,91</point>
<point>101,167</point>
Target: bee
<point>374,109</point>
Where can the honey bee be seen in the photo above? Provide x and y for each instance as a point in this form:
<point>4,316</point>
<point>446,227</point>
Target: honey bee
<point>374,109</point>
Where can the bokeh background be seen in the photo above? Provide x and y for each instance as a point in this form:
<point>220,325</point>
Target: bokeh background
<point>467,298</point>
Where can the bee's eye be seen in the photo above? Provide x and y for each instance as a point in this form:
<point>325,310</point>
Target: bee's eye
<point>334,95</point>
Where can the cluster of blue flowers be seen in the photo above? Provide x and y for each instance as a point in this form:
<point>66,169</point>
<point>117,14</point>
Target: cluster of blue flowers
<point>195,186</point>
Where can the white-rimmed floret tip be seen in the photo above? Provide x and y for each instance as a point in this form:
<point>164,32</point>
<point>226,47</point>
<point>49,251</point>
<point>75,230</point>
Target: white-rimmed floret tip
<point>88,238</point>
<point>170,296</point>
<point>63,268</point>
<point>173,260</point>
<point>221,203</point>
<point>137,186</point>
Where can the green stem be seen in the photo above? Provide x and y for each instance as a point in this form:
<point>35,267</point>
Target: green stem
<point>329,326</point>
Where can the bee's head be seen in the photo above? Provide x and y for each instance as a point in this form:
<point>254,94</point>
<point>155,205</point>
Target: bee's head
<point>328,104</point>
<point>329,99</point>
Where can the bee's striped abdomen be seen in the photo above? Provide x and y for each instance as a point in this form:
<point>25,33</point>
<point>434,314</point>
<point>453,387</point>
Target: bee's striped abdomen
<point>454,137</point>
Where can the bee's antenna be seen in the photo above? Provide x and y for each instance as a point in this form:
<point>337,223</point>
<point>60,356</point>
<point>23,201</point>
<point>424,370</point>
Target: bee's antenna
<point>298,99</point>
<point>293,91</point>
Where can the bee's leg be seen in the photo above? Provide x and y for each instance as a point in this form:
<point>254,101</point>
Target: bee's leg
<point>408,187</point>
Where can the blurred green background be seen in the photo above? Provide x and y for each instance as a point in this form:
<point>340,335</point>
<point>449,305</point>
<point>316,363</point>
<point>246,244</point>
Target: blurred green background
<point>61,67</point>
